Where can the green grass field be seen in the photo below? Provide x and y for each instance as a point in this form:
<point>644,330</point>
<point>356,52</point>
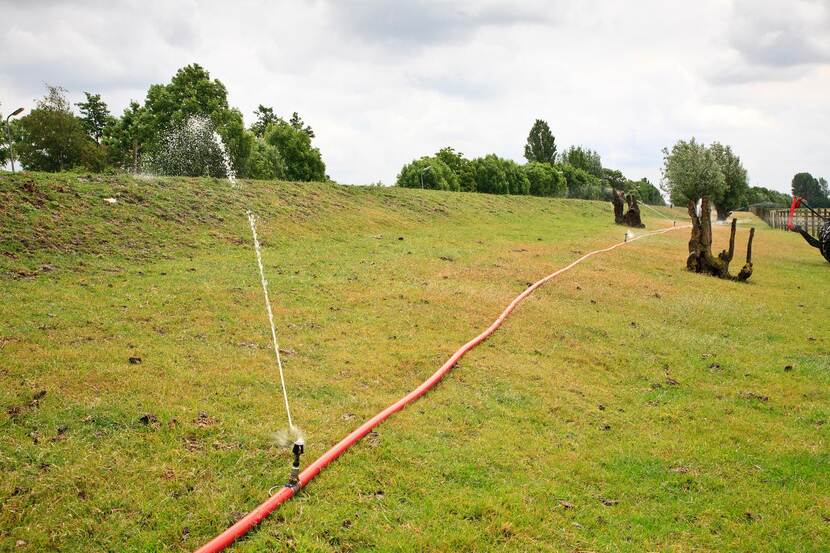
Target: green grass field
<point>626,406</point>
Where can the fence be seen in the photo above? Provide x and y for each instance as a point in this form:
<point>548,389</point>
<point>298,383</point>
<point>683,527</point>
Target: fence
<point>777,218</point>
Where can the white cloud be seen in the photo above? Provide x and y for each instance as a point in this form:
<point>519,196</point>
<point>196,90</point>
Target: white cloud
<point>384,82</point>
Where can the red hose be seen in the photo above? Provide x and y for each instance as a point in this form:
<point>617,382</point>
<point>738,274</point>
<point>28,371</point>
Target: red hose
<point>241,527</point>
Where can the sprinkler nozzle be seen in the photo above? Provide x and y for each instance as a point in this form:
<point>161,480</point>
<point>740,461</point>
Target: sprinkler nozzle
<point>297,450</point>
<point>294,476</point>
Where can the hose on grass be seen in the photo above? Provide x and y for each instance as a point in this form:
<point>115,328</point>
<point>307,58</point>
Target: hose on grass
<point>246,523</point>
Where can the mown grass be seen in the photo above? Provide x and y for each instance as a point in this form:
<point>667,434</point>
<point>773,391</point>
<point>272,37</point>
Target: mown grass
<point>626,406</point>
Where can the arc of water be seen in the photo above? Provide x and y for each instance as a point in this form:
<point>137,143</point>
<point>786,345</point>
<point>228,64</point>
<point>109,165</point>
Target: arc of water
<point>252,221</point>
<point>231,175</point>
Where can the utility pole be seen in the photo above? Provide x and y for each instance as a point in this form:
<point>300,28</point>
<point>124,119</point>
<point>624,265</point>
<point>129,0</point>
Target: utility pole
<point>9,134</point>
<point>424,170</point>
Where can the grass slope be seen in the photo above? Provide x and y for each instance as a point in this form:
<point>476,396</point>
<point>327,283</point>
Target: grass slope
<point>626,406</point>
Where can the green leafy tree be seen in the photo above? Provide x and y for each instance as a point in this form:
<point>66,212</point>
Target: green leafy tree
<point>265,117</point>
<point>648,193</point>
<point>95,116</point>
<point>51,138</point>
<point>238,141</point>
<point>192,93</point>
<point>127,137</point>
<point>545,179</point>
<point>428,172</point>
<point>461,166</point>
<point>611,178</point>
<point>758,195</point>
<point>495,175</point>
<point>808,187</point>
<point>582,184</point>
<point>541,145</point>
<point>691,171</point>
<point>490,175</point>
<point>583,158</point>
<point>297,122</point>
<point>517,181</point>
<point>735,180</point>
<point>265,162</point>
<point>303,162</point>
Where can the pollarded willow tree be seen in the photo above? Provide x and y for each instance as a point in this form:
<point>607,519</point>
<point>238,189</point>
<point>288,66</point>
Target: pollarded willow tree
<point>631,217</point>
<point>723,178</point>
<point>691,174</point>
<point>701,259</point>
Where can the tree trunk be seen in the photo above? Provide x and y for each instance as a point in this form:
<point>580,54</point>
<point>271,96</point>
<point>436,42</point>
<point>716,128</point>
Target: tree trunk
<point>701,259</point>
<point>632,216</point>
<point>619,206</point>
<point>629,218</point>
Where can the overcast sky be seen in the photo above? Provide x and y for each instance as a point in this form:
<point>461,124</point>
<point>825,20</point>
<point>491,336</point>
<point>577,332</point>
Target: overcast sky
<point>382,82</point>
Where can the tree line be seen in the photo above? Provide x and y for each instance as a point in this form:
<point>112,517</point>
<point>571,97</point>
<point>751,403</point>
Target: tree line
<point>576,172</point>
<point>171,133</point>
<point>690,171</point>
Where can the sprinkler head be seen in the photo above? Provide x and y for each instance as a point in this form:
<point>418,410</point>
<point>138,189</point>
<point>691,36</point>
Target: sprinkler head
<point>298,449</point>
<point>294,475</point>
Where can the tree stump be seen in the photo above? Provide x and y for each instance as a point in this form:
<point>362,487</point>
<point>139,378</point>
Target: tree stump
<point>630,218</point>
<point>701,259</point>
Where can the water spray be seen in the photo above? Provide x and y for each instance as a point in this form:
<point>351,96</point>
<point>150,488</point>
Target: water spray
<point>658,212</point>
<point>292,436</point>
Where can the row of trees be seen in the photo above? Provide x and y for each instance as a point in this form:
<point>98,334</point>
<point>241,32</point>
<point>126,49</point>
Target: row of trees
<point>576,173</point>
<point>172,132</point>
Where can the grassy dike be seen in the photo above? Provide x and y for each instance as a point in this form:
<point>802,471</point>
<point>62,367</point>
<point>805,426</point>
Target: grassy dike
<point>626,406</point>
